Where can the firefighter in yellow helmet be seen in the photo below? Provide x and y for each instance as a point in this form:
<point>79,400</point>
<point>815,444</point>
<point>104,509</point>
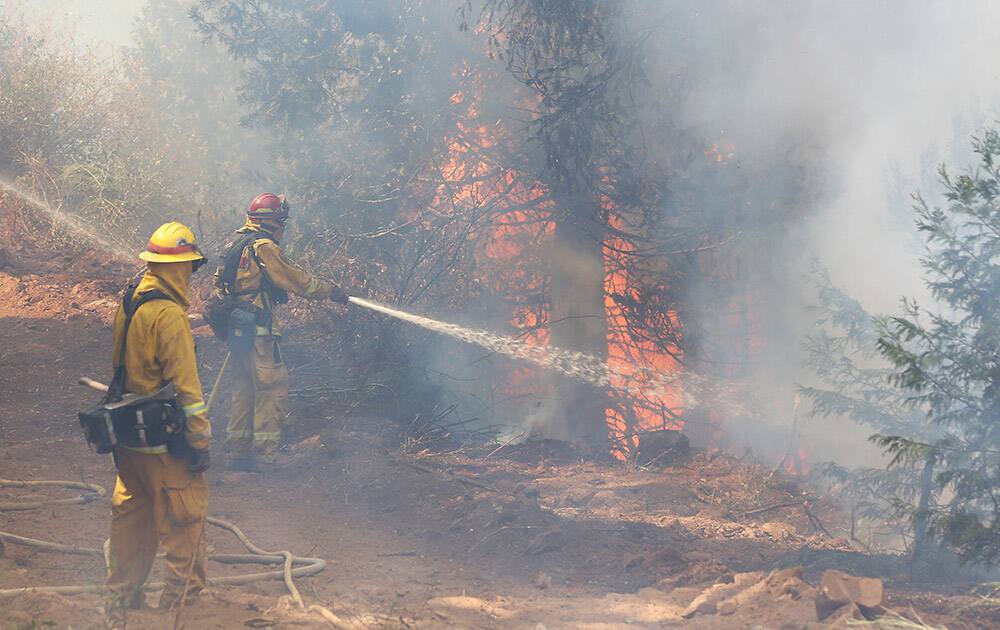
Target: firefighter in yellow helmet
<point>259,277</point>
<point>160,497</point>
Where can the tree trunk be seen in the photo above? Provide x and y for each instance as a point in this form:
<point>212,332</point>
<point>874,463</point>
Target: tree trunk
<point>576,265</point>
<point>923,506</point>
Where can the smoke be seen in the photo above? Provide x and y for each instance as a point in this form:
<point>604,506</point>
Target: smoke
<point>577,365</point>
<point>801,128</point>
<point>104,25</point>
<point>837,112</point>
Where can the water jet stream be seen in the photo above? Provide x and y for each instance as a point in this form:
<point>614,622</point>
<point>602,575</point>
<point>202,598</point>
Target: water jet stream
<point>639,382</point>
<point>68,222</point>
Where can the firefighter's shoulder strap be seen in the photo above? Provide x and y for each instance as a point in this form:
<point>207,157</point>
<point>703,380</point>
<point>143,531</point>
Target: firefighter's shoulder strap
<point>231,262</point>
<point>129,307</point>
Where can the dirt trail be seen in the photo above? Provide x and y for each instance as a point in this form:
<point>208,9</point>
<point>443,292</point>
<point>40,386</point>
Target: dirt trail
<point>528,537</point>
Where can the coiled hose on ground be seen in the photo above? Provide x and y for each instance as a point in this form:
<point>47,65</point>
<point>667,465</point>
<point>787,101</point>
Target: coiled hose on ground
<point>292,566</point>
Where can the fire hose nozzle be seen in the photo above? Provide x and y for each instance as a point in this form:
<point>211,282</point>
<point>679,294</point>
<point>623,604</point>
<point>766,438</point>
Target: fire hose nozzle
<point>92,384</point>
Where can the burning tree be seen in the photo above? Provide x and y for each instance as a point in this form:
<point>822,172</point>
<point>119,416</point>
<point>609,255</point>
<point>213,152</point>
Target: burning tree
<point>655,245</point>
<point>568,55</point>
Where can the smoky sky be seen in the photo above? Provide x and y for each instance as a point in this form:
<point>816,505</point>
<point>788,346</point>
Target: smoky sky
<point>96,23</point>
<point>879,92</point>
<point>867,98</point>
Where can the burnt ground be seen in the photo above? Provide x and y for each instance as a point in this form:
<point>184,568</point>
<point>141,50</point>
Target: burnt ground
<point>528,536</point>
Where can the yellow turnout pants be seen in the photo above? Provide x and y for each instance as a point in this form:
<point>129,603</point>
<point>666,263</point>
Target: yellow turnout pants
<point>260,398</point>
<point>156,500</point>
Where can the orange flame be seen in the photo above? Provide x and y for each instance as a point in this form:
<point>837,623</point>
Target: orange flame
<point>472,179</point>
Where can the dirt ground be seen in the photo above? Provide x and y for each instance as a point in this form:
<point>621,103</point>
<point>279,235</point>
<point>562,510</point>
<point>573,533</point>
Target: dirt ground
<point>525,536</point>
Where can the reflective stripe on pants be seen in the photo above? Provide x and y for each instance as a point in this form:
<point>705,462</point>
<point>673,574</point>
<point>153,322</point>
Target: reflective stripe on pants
<point>156,500</point>
<point>260,398</point>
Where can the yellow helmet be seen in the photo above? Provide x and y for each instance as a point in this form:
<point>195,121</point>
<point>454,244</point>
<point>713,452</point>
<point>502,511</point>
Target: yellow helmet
<point>172,242</point>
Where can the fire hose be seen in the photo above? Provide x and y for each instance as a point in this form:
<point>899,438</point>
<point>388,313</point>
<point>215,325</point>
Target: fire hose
<point>303,566</point>
<point>292,566</point>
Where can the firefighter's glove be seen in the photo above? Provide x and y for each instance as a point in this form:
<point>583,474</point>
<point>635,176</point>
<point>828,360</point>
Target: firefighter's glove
<point>200,460</point>
<point>337,295</point>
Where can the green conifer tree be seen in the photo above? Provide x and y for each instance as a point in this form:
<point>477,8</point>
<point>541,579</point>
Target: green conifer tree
<point>946,358</point>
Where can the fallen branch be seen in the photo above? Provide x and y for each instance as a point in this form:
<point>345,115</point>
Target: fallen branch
<point>814,520</point>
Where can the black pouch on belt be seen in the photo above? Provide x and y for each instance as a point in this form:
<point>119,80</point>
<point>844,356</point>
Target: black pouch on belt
<point>242,330</point>
<point>137,421</point>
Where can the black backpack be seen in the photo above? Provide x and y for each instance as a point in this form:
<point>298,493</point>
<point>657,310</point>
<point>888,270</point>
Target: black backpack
<point>227,312</point>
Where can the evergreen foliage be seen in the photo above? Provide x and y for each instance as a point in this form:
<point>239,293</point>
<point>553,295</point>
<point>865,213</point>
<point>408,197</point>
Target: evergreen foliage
<point>948,359</point>
<point>936,406</point>
<point>855,383</point>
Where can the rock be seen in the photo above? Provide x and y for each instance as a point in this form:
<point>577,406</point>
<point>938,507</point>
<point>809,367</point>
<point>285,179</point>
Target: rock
<point>838,589</point>
<point>727,607</point>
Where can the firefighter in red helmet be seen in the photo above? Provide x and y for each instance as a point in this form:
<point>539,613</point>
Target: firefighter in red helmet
<point>257,277</point>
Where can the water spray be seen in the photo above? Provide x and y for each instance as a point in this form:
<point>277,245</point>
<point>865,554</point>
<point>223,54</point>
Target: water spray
<point>578,365</point>
<point>69,222</point>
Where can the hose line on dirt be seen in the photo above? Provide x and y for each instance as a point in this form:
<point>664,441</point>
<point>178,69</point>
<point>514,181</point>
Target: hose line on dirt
<point>91,492</point>
<point>292,566</point>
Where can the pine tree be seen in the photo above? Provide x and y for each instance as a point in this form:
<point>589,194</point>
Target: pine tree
<point>854,383</point>
<point>947,360</point>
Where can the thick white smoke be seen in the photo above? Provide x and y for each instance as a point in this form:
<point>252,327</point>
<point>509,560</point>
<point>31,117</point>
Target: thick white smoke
<point>870,97</point>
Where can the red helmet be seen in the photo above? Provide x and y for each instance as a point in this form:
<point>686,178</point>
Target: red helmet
<point>268,207</point>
